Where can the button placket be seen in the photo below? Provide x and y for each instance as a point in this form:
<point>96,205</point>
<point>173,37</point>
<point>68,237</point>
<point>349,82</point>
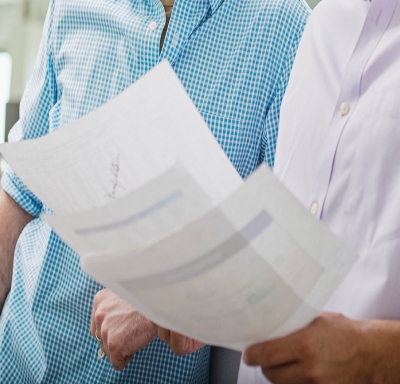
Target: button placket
<point>377,19</point>
<point>181,32</point>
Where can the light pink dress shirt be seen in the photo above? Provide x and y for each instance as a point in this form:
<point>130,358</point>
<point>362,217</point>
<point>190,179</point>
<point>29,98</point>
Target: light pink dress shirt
<point>339,146</point>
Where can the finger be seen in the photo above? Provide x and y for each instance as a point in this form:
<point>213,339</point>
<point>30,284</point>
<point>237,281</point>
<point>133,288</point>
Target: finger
<point>92,318</point>
<point>284,350</point>
<point>99,317</point>
<point>164,335</point>
<point>198,345</point>
<point>178,343</point>
<point>287,374</point>
<point>118,361</point>
<point>268,355</point>
<point>111,346</point>
<point>98,312</point>
<point>104,344</point>
<point>182,345</point>
<point>102,333</point>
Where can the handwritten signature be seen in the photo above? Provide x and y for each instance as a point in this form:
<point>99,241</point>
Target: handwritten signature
<point>114,170</point>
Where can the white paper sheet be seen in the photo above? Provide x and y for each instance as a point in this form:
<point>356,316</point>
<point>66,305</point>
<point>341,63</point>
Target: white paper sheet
<point>256,267</point>
<point>143,192</point>
<point>123,145</point>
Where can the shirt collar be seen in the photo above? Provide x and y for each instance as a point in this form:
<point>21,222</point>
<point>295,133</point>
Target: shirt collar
<point>213,3</point>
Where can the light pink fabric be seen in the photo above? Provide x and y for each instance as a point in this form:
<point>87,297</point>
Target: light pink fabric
<point>348,164</point>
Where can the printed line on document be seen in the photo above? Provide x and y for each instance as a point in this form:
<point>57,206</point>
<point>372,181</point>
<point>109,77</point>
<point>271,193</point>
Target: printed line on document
<point>137,216</point>
<point>224,251</point>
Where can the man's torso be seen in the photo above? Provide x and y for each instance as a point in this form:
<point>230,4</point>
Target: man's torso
<point>338,146</point>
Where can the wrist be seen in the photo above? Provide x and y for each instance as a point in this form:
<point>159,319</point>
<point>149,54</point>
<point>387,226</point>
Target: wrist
<point>381,351</point>
<point>367,351</point>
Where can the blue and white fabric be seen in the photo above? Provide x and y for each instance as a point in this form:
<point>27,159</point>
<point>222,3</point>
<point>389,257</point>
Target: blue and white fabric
<point>232,56</point>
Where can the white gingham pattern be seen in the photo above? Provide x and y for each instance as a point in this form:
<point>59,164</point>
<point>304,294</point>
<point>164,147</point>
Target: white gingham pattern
<point>234,59</point>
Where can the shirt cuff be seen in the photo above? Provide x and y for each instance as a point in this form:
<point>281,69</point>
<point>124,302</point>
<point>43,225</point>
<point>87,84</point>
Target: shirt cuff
<point>18,191</point>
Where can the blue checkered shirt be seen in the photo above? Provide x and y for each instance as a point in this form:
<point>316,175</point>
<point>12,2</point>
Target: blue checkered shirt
<point>233,57</point>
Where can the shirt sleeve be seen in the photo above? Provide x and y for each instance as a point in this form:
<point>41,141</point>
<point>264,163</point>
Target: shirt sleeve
<point>295,28</point>
<point>39,97</point>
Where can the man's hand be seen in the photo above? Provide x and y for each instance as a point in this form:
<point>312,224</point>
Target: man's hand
<point>180,345</point>
<point>123,330</point>
<point>13,220</point>
<point>332,349</point>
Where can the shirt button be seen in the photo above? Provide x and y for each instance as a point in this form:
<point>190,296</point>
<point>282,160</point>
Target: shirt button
<point>101,353</point>
<point>314,209</point>
<point>344,108</point>
<point>153,26</point>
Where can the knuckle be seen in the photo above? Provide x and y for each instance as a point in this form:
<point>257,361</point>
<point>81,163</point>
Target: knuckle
<point>325,319</point>
<point>99,296</point>
<point>99,315</point>
<point>112,343</point>
<point>268,357</point>
<point>105,332</point>
<point>307,349</point>
<point>322,319</point>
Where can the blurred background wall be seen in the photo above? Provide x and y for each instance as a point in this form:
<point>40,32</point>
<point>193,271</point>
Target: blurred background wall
<point>21,23</point>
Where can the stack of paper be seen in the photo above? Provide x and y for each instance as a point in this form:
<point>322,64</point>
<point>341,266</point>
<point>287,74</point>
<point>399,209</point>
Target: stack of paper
<point>183,239</point>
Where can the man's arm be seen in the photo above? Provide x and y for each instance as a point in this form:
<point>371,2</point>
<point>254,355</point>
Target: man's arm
<point>332,350</point>
<point>13,220</point>
<point>39,98</point>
